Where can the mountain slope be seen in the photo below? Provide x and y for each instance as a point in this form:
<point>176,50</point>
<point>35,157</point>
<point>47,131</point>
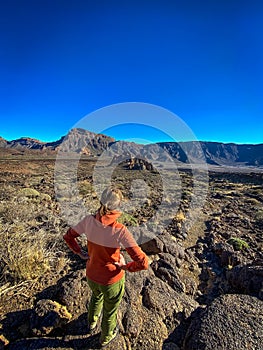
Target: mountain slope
<point>216,153</point>
<point>89,143</point>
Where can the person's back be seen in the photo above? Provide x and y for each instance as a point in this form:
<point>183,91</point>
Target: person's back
<point>105,263</point>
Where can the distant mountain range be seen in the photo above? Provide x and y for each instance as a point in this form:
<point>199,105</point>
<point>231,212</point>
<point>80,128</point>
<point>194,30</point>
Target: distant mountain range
<point>91,144</point>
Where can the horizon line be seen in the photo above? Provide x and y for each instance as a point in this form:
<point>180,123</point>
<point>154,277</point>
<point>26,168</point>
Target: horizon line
<point>132,140</point>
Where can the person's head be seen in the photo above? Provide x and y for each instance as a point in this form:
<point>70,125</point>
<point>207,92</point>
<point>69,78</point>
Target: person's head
<point>110,200</point>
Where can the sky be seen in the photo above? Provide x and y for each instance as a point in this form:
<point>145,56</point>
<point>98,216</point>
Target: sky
<point>61,60</point>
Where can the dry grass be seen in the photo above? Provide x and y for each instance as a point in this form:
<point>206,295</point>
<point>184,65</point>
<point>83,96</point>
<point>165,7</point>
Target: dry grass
<point>85,188</point>
<point>27,256</point>
<point>180,216</point>
<point>24,257</point>
<point>31,245</point>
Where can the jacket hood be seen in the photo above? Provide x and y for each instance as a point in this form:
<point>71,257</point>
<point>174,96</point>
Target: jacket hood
<point>108,219</point>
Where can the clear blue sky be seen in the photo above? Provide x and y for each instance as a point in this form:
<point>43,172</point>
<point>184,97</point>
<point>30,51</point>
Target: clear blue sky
<point>63,59</point>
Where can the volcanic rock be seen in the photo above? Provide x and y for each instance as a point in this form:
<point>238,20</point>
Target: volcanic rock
<point>231,322</point>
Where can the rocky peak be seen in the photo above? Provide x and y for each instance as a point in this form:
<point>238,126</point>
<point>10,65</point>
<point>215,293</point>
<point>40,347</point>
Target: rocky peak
<point>89,143</point>
<point>27,142</point>
<point>3,142</point>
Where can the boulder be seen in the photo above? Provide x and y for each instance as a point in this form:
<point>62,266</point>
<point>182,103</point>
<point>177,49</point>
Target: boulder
<point>164,301</point>
<point>167,272</point>
<point>246,279</point>
<point>231,322</point>
<point>47,316</point>
<point>153,246</point>
<point>171,246</point>
<point>75,293</point>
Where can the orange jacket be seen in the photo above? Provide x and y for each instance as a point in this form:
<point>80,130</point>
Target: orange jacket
<point>105,236</point>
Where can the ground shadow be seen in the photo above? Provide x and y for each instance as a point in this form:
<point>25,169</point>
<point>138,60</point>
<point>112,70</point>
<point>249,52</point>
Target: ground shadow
<point>17,326</point>
<point>17,329</point>
<point>90,342</point>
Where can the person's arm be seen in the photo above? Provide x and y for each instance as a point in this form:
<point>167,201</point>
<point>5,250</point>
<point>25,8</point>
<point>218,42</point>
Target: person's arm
<point>140,260</point>
<point>70,239</point>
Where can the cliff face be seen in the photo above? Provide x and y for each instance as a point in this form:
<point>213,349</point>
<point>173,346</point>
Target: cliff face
<point>86,142</point>
<point>216,153</point>
<point>89,143</point>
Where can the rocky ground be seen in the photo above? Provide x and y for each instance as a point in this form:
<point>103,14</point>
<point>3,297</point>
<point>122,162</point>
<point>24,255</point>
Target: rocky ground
<point>204,287</point>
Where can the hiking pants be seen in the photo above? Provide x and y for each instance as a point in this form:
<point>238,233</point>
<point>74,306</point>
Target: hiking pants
<point>106,299</point>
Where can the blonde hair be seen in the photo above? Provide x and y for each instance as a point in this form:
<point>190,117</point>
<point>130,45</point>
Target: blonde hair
<point>110,200</point>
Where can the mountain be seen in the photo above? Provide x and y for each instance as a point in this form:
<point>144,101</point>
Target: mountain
<point>3,142</point>
<point>77,140</point>
<point>92,144</point>
<point>216,153</point>
<point>85,142</point>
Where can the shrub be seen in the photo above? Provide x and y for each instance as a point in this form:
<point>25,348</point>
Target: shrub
<point>238,243</point>
<point>29,192</point>
<point>128,220</point>
<point>17,210</point>
<point>85,188</point>
<point>24,257</point>
<point>180,217</point>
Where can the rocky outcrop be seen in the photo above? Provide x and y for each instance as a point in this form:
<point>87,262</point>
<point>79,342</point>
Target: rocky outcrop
<point>150,311</point>
<point>131,163</point>
<point>230,322</point>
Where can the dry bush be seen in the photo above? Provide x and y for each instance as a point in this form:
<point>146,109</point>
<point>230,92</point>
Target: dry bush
<point>180,216</point>
<point>85,188</point>
<point>17,210</point>
<point>28,192</point>
<point>252,202</point>
<point>7,193</point>
<point>31,244</point>
<point>23,256</point>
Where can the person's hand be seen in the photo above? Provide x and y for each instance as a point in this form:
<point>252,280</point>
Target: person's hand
<point>83,255</point>
<point>122,267</point>
<point>121,264</point>
<point>122,260</point>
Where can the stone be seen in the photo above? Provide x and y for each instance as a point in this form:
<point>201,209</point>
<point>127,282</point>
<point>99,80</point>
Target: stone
<point>47,316</point>
<point>75,293</point>
<point>166,271</point>
<point>231,322</point>
<point>246,279</point>
<point>153,246</point>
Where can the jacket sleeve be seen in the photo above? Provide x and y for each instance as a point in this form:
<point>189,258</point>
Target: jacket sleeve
<point>140,260</point>
<point>70,239</point>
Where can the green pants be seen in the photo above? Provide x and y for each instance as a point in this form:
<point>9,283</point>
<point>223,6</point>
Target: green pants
<point>106,299</point>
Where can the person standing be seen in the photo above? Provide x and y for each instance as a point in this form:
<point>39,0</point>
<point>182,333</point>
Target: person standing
<point>105,267</point>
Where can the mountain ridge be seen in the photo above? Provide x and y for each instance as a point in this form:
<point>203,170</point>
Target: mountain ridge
<point>92,144</point>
